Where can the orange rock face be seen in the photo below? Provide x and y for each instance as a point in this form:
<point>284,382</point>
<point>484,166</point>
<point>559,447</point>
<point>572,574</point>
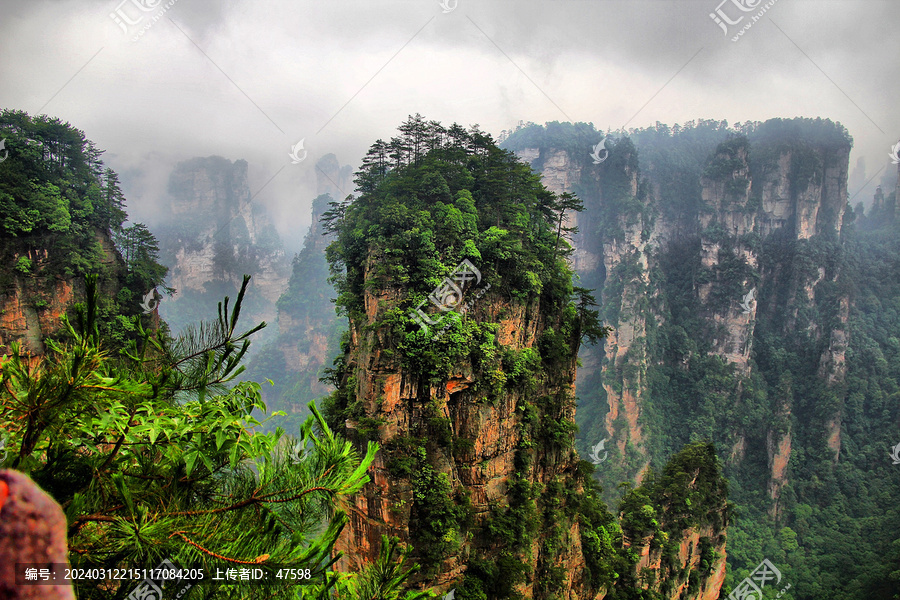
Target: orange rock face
<point>30,311</point>
<point>487,433</point>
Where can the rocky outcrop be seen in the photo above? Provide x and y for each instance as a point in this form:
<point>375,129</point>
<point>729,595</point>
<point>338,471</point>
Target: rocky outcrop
<point>32,301</point>
<point>673,580</point>
<point>213,235</point>
<point>333,179</point>
<point>806,204</point>
<point>779,455</point>
<point>397,403</point>
<point>623,256</point>
<point>777,190</point>
<point>833,369</point>
<point>725,220</point>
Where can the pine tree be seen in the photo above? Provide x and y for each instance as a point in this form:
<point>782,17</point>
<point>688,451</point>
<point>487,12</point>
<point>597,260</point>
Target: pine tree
<point>154,456</point>
<point>112,207</point>
<point>414,134</point>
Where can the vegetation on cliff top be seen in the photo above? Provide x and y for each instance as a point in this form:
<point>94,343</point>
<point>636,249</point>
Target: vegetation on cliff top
<point>432,198</point>
<point>56,196</point>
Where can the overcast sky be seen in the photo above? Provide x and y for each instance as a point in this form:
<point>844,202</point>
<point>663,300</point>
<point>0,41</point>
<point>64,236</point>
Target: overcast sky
<point>249,79</point>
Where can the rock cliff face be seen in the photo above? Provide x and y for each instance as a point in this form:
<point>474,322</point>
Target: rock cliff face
<point>212,236</point>
<point>673,581</point>
<point>485,467</point>
<point>736,233</point>
<point>597,257</point>
<point>728,218</point>
<point>32,303</point>
<point>488,471</point>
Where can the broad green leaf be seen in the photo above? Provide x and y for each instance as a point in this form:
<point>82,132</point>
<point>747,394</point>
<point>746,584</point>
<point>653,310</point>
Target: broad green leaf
<point>190,459</point>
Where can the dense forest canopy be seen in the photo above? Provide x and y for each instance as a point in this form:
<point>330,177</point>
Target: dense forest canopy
<point>434,197</point>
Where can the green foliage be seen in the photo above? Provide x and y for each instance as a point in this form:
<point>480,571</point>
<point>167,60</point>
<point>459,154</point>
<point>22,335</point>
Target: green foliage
<point>24,265</point>
<point>515,525</point>
<point>383,579</point>
<point>495,578</point>
<point>676,158</point>
<point>436,518</point>
<point>54,190</point>
<point>153,456</point>
<point>140,250</point>
<point>60,205</point>
<point>427,205</point>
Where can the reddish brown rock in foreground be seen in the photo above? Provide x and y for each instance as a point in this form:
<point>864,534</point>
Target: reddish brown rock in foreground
<point>32,530</point>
